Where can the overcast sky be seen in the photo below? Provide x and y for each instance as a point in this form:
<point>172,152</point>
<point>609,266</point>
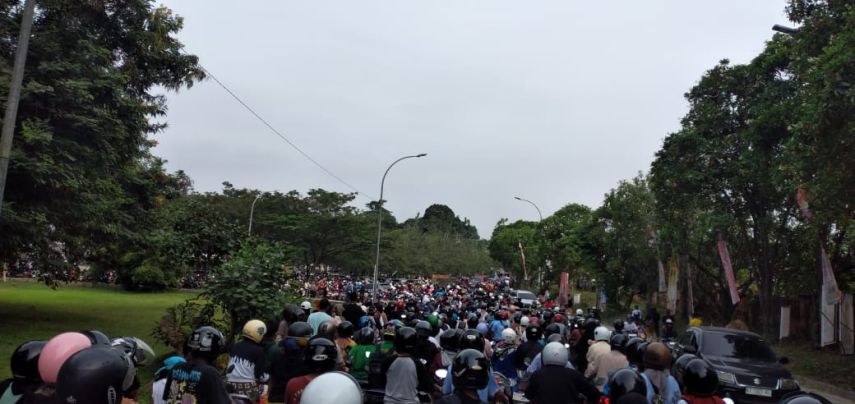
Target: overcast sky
<point>553,101</point>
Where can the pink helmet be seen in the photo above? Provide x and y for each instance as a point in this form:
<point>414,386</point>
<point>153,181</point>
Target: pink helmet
<point>57,350</point>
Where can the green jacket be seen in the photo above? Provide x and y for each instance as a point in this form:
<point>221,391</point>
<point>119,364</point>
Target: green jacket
<point>359,361</point>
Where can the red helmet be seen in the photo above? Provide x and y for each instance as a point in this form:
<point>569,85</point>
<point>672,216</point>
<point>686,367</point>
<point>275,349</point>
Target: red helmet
<point>399,304</point>
<point>503,314</point>
<point>558,318</point>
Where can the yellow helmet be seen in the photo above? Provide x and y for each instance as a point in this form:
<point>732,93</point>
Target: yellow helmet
<point>254,330</point>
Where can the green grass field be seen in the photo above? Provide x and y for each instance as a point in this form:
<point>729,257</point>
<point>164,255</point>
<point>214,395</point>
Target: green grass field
<point>30,310</point>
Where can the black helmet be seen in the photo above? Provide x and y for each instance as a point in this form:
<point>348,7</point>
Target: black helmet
<point>632,348</point>
<point>98,374</point>
<point>638,357</point>
<point>547,315</point>
<point>423,329</point>
<point>470,370</point>
<point>97,337</point>
<point>291,313</point>
<point>405,340</point>
<point>449,339</point>
<point>618,342</point>
<point>471,339</point>
<point>321,355</point>
<point>365,336</point>
<point>300,329</point>
<point>533,333</point>
<point>618,325</point>
<point>551,329</point>
<point>206,342</point>
<point>679,365</point>
<point>625,381</point>
<point>25,362</point>
<point>699,378</point>
<point>326,330</point>
<point>344,329</point>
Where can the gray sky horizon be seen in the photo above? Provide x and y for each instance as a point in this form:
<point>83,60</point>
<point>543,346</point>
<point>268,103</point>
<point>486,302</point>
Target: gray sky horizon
<point>552,101</point>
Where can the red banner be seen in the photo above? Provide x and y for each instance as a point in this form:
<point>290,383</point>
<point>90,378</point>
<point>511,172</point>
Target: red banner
<point>564,281</point>
<point>728,270</point>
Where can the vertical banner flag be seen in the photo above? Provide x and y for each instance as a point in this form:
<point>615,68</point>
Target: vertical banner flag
<point>672,285</point>
<point>662,284</point>
<point>562,288</point>
<point>830,296</point>
<point>728,270</point>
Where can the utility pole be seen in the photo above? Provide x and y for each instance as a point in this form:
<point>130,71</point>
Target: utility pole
<point>14,94</point>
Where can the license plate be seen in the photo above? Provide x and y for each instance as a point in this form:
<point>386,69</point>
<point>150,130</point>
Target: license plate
<point>758,392</point>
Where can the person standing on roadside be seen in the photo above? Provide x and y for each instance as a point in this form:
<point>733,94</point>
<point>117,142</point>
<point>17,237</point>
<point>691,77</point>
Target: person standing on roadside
<point>321,316</point>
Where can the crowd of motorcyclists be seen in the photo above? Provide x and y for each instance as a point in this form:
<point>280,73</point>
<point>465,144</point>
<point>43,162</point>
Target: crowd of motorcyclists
<point>466,342</point>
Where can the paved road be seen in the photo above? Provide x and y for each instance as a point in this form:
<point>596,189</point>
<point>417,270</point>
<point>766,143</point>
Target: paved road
<point>833,393</point>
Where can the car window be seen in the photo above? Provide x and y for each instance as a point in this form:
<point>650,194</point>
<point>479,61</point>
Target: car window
<point>526,295</point>
<point>737,346</point>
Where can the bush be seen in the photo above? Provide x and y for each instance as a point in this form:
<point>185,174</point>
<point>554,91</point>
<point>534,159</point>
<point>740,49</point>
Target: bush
<point>149,277</point>
<point>251,284</point>
<point>179,321</point>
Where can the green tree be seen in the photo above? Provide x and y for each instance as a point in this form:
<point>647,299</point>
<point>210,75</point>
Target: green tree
<point>250,285</point>
<point>90,103</point>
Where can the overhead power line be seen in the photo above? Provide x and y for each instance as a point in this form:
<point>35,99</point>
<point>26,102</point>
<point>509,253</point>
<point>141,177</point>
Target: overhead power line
<point>281,136</point>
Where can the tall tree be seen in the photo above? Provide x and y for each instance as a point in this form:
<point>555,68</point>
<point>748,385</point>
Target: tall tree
<point>87,112</point>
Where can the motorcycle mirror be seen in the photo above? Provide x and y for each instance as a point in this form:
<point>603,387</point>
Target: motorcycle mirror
<point>441,373</point>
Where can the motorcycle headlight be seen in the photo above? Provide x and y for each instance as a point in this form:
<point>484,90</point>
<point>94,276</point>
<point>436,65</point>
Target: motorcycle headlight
<point>726,378</point>
<point>787,384</point>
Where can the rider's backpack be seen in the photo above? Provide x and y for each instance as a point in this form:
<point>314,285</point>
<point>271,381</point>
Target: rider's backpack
<point>376,373</point>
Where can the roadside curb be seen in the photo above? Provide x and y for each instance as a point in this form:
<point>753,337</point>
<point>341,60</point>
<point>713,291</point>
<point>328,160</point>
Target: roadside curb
<point>812,384</point>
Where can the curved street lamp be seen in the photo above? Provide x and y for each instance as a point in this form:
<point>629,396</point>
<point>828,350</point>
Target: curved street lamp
<point>380,221</point>
<point>548,263</point>
<point>251,211</point>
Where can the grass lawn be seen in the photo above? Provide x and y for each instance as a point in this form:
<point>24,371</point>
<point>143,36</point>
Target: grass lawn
<point>824,365</point>
<point>30,310</point>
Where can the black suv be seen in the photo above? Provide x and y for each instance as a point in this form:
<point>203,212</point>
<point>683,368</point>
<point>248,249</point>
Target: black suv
<point>748,370</point>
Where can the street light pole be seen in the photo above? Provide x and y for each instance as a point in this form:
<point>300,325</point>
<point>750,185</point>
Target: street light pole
<point>532,204</point>
<point>251,211</point>
<point>541,220</point>
<point>380,221</point>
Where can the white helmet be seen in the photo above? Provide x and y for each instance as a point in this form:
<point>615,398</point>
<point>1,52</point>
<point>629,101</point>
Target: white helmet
<point>602,333</point>
<point>305,305</point>
<point>554,353</point>
<point>332,388</point>
<point>509,336</point>
<point>524,321</point>
<point>580,312</point>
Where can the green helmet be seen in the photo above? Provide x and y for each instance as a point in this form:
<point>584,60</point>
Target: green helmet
<point>433,320</point>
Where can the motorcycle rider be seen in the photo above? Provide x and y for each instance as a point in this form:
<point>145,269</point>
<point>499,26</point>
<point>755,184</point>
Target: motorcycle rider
<point>361,353</point>
<point>626,383</point>
<point>332,388</point>
<point>291,363</point>
<point>25,373</point>
<point>473,340</point>
<point>406,376</point>
<point>555,383</point>
<point>504,354</point>
<point>246,373</point>
<point>668,332</point>
<point>98,374</point>
<point>320,357</point>
<point>197,380</point>
<point>609,362</point>
<point>470,373</point>
<point>598,348</point>
<point>528,349</point>
<point>700,383</point>
<point>661,386</point>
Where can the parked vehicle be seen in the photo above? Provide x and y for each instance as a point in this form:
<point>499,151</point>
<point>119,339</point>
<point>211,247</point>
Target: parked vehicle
<point>748,370</point>
<point>523,298</point>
